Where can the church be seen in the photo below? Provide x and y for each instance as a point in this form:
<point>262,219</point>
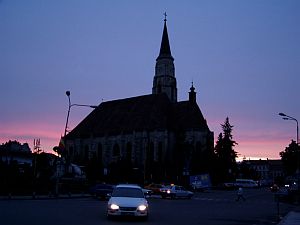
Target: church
<point>154,137</point>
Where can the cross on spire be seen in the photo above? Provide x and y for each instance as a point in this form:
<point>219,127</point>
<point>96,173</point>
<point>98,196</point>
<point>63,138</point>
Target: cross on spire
<point>165,14</point>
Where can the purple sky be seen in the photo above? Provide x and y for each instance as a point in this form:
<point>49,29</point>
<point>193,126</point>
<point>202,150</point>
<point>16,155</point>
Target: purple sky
<point>243,57</point>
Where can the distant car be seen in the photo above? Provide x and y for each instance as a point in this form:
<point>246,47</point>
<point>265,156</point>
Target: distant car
<point>102,191</point>
<point>229,186</point>
<point>246,183</point>
<point>147,192</point>
<point>176,191</point>
<point>155,188</point>
<point>274,188</point>
<point>128,200</point>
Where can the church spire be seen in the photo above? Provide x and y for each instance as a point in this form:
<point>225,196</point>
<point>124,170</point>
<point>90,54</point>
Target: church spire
<point>165,50</point>
<point>164,79</point>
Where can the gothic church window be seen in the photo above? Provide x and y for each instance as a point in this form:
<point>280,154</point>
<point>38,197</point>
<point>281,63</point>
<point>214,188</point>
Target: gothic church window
<point>86,152</point>
<point>159,152</point>
<point>99,152</point>
<point>158,88</point>
<point>71,151</point>
<point>150,153</point>
<point>116,150</point>
<point>198,146</point>
<point>128,151</point>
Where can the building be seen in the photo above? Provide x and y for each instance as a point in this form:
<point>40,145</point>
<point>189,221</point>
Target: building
<point>268,171</point>
<point>154,134</point>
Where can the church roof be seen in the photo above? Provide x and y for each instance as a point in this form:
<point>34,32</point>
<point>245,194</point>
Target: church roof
<point>147,112</point>
<point>189,116</point>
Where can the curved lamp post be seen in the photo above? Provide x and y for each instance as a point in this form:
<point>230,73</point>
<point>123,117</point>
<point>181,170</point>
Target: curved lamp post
<point>286,117</point>
<point>68,93</point>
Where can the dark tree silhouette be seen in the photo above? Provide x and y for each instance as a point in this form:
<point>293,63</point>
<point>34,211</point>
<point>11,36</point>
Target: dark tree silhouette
<point>290,158</point>
<point>226,156</point>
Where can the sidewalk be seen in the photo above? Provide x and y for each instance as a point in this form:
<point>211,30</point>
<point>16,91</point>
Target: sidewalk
<point>41,197</point>
<point>292,218</point>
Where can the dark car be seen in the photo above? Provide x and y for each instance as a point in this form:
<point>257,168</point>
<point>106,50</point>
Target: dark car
<point>102,191</point>
<point>155,188</point>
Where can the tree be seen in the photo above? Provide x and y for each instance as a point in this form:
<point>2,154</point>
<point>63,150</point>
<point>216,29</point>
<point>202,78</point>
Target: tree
<point>225,154</point>
<point>290,158</point>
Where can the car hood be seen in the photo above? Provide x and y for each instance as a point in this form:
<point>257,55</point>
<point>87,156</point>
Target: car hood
<point>126,201</point>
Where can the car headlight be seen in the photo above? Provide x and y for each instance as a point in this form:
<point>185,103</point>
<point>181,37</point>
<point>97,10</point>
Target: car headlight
<point>142,207</point>
<point>168,191</point>
<point>114,206</point>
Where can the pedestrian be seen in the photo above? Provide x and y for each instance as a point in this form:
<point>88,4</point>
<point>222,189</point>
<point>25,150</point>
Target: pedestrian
<point>240,194</point>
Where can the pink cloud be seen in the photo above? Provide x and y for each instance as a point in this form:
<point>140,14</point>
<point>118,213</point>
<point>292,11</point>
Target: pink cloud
<point>251,143</point>
<point>49,133</point>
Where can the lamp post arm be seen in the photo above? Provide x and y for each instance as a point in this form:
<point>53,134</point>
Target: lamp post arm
<point>91,106</point>
<point>69,109</point>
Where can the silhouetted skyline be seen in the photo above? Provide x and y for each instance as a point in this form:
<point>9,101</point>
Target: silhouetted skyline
<point>242,57</point>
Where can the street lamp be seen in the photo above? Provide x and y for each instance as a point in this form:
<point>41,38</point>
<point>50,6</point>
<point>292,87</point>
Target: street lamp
<point>286,117</point>
<point>68,93</point>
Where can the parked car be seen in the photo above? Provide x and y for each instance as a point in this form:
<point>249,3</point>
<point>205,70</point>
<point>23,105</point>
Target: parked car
<point>155,188</point>
<point>147,192</point>
<point>175,191</point>
<point>229,186</point>
<point>128,200</point>
<point>102,191</point>
<point>247,183</point>
<point>274,188</point>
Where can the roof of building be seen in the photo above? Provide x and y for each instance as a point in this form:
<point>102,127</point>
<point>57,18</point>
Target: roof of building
<point>188,115</point>
<point>147,112</point>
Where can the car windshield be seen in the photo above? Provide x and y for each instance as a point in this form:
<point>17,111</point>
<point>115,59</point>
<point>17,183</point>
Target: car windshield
<point>128,192</point>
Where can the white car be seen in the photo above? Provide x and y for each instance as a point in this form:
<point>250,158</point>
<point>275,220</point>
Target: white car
<point>175,191</point>
<point>246,183</point>
<point>128,200</point>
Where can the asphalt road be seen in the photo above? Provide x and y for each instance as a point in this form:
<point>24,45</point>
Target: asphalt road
<point>208,208</point>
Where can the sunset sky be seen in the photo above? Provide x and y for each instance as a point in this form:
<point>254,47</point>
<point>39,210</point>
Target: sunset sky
<point>243,57</point>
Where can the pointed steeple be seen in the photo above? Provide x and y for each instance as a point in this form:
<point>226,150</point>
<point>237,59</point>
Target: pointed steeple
<point>165,50</point>
<point>164,80</point>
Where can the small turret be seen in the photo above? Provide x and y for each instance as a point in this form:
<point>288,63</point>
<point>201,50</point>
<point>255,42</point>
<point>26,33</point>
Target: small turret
<point>192,94</point>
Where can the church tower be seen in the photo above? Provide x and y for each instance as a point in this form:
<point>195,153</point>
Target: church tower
<point>164,79</point>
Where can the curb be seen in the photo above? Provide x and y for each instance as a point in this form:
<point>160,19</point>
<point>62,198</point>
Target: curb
<point>44,197</point>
